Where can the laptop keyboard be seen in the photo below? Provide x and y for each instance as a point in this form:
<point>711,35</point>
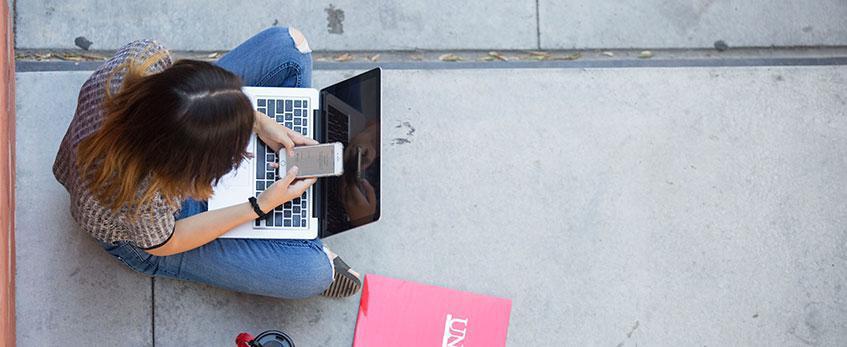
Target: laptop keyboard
<point>294,114</point>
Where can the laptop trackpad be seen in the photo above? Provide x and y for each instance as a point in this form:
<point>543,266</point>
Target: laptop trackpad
<point>236,178</point>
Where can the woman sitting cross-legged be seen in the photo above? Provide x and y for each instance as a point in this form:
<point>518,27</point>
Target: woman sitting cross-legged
<point>149,140</point>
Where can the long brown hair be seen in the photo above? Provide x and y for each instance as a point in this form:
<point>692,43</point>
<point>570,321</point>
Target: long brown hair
<point>176,132</point>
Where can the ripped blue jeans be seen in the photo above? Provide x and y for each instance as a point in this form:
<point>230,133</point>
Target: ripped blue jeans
<point>287,269</point>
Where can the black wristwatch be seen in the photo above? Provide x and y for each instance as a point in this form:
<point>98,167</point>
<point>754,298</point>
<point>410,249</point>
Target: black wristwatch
<point>255,204</point>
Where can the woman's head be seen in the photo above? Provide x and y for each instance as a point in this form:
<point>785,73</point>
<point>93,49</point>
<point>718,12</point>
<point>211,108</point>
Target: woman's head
<point>183,129</point>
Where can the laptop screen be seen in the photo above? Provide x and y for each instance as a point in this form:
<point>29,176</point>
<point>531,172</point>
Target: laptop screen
<point>351,111</point>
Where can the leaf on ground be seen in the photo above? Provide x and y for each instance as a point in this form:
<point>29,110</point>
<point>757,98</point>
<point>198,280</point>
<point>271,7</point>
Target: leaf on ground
<point>374,57</point>
<point>645,55</point>
<point>43,56</point>
<point>69,57</point>
<point>344,57</point>
<point>449,57</point>
<point>488,58</point>
<point>214,55</point>
<point>573,56</point>
<point>497,56</point>
<point>93,57</point>
<point>539,57</point>
<point>608,54</point>
<point>539,54</point>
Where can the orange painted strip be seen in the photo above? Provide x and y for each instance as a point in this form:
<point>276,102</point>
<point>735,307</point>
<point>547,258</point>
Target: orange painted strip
<point>7,179</point>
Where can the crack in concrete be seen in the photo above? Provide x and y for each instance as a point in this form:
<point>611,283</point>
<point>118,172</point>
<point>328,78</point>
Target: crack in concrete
<point>634,328</point>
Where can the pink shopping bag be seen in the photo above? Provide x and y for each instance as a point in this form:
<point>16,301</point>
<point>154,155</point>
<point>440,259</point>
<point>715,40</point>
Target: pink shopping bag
<point>394,313</point>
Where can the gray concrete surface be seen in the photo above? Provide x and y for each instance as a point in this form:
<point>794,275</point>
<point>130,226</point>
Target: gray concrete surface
<point>674,206</point>
<point>217,25</point>
<point>438,25</point>
<point>68,292</point>
<point>684,24</point>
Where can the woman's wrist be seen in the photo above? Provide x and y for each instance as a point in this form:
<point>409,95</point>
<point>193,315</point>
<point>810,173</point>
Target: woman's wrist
<point>264,206</point>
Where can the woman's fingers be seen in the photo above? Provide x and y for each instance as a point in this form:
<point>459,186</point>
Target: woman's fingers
<point>300,186</point>
<point>299,139</point>
<point>288,139</point>
<point>288,143</point>
<point>290,175</point>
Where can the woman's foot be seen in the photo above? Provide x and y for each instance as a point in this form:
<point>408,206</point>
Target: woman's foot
<point>345,281</point>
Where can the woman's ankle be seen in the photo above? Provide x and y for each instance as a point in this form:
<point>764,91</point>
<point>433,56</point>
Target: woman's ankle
<point>330,255</point>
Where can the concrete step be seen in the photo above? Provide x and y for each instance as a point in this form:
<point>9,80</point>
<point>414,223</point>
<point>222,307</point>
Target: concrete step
<point>437,25</point>
<point>657,206</point>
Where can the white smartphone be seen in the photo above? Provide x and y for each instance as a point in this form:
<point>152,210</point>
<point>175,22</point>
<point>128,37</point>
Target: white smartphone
<point>322,160</point>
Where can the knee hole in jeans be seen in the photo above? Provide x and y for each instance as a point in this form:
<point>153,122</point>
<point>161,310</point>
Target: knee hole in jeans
<point>299,40</point>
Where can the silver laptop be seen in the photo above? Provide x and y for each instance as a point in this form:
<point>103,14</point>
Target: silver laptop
<point>342,112</point>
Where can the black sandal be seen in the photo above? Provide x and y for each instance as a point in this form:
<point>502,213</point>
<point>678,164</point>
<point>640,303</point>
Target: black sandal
<point>345,283</point>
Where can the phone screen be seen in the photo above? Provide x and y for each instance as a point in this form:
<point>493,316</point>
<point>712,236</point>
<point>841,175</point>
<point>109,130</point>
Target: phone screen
<point>318,160</point>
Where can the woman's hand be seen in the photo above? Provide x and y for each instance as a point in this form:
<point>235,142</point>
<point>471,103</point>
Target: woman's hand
<point>284,190</point>
<point>278,136</point>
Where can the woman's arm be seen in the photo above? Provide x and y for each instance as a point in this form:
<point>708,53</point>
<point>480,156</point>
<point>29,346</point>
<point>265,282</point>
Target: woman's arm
<point>200,229</point>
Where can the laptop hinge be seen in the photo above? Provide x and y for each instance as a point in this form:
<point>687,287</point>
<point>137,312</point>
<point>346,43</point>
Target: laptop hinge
<point>318,191</point>
<point>318,126</point>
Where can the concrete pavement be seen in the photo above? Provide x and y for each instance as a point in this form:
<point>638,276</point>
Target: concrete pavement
<point>652,206</point>
<point>68,291</point>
